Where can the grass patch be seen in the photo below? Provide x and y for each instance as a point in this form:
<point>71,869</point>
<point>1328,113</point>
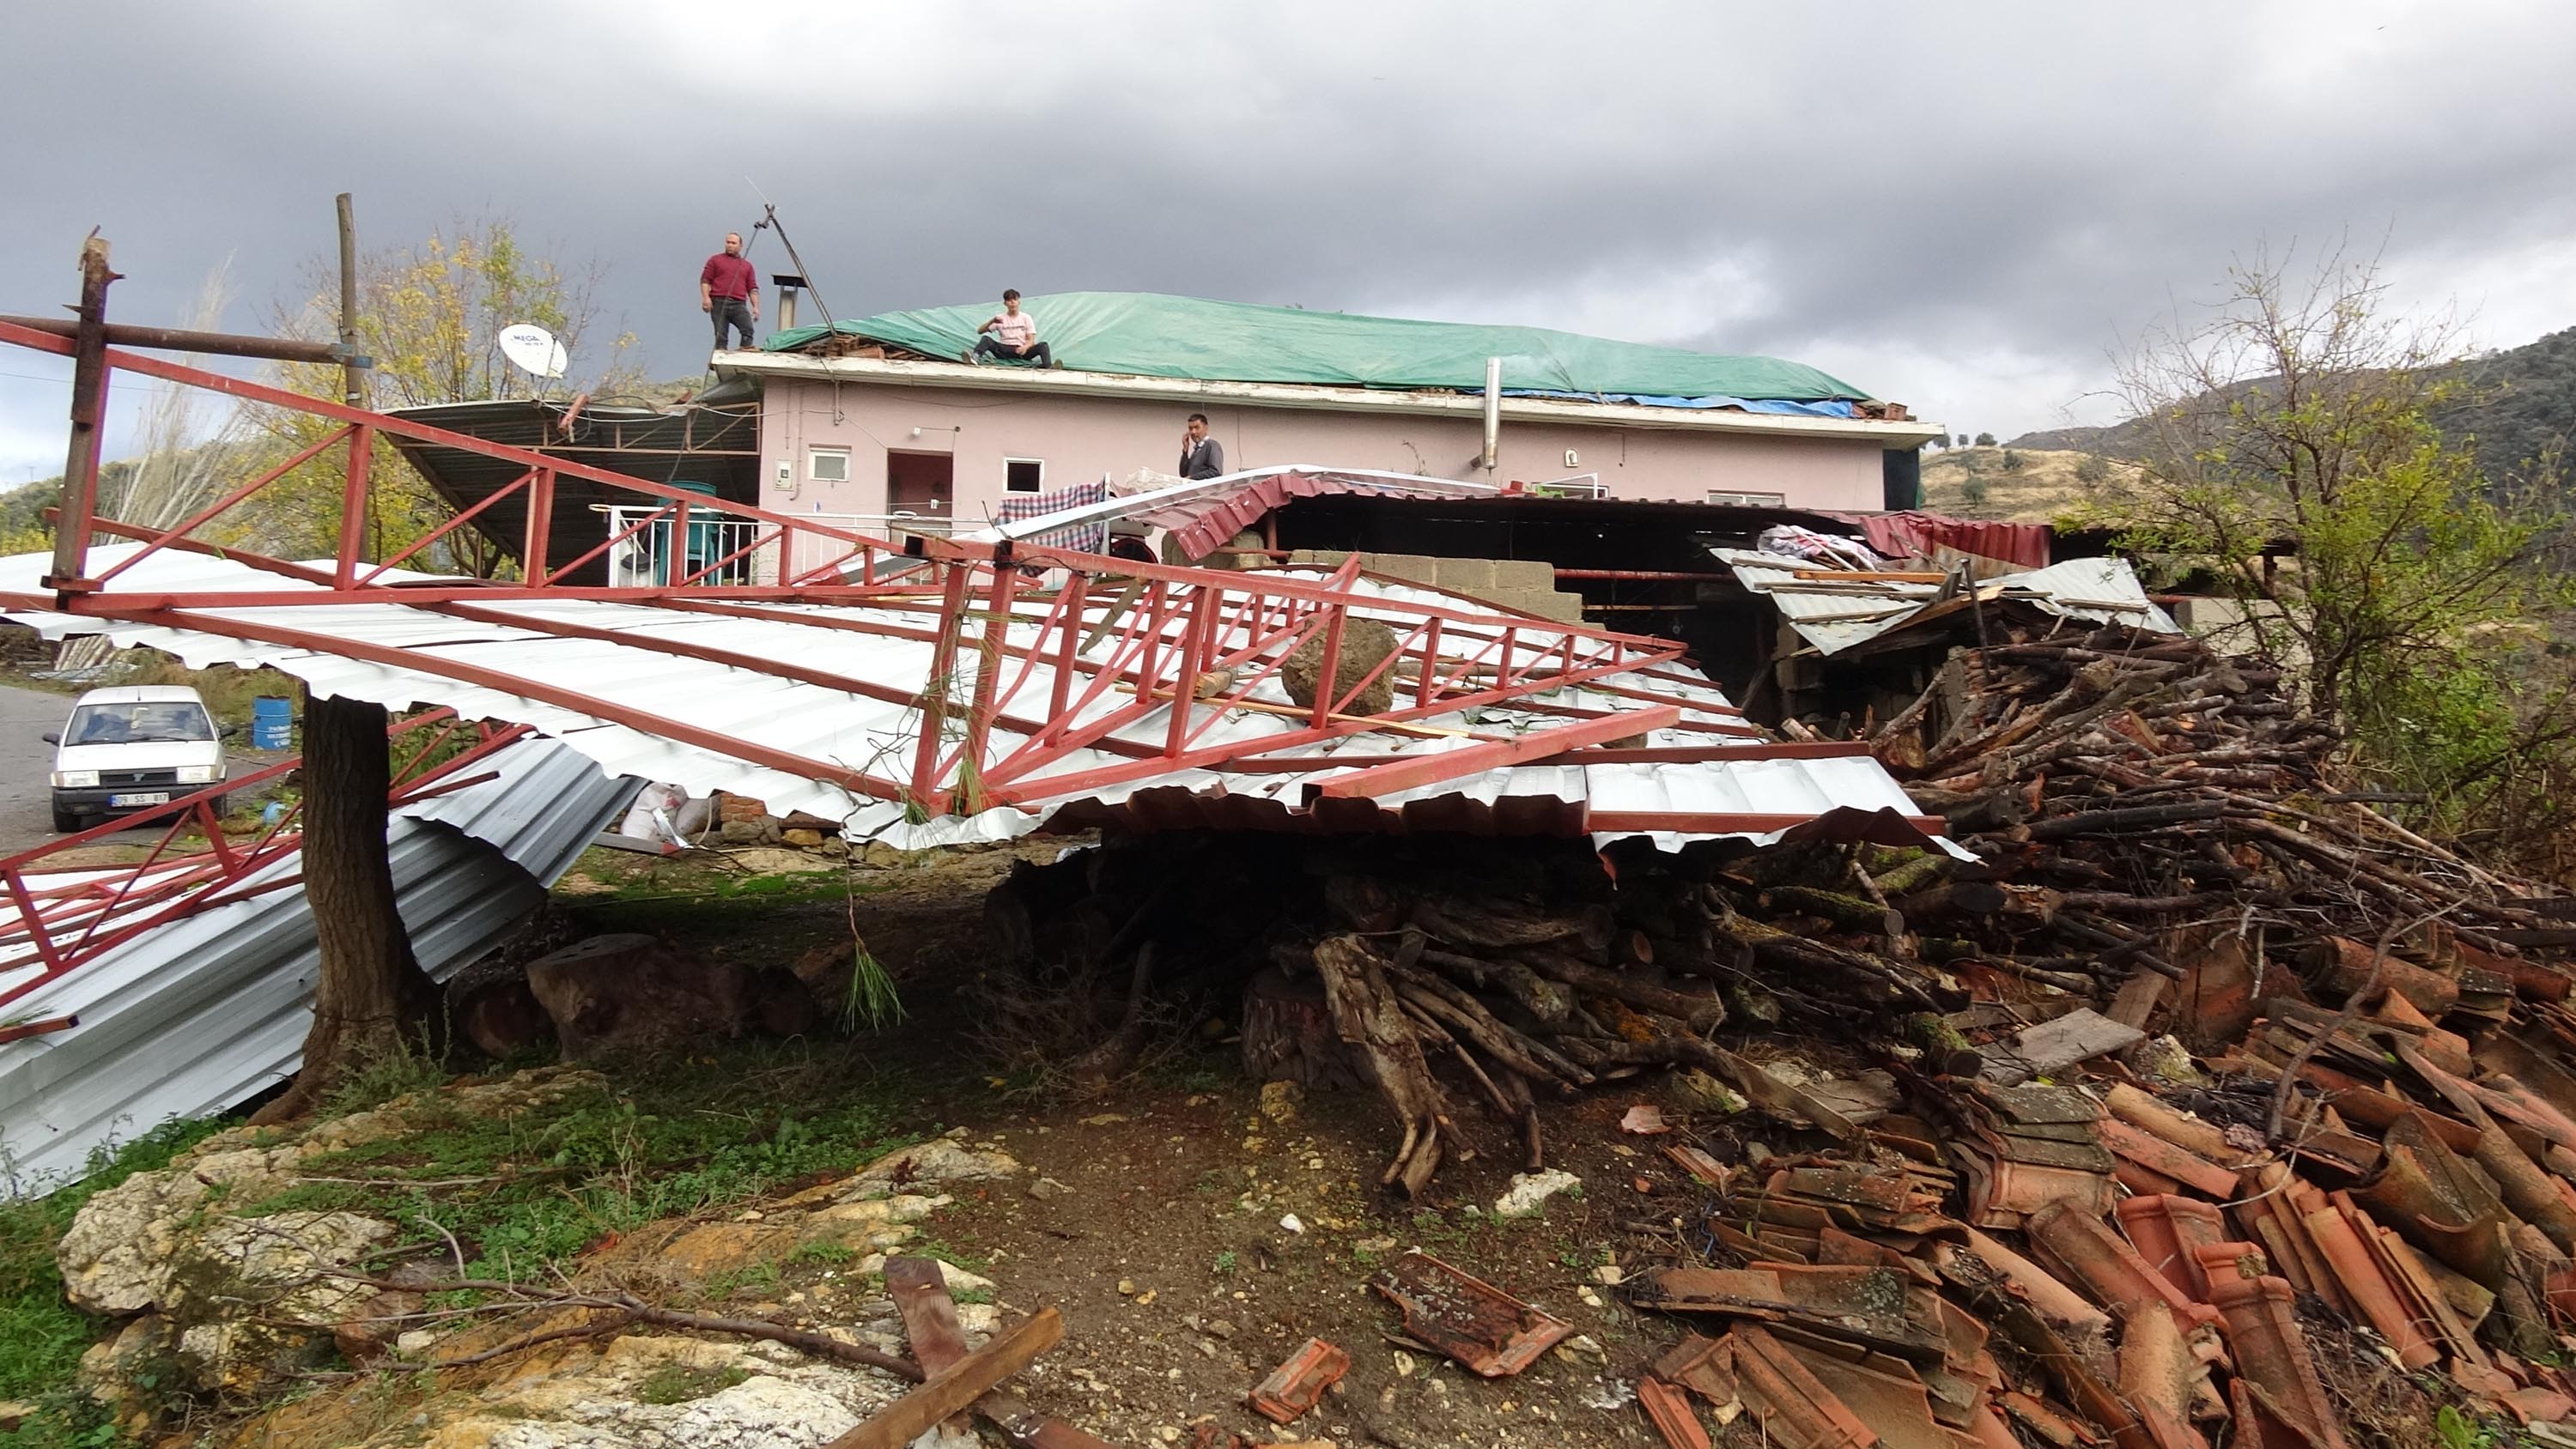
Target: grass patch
<point>933,1248</point>
<point>828,1254</point>
<point>529,1192</point>
<point>677,1383</point>
<point>41,1336</point>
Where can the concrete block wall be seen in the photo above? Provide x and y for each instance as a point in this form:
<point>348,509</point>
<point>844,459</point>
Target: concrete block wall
<point>1528,585</point>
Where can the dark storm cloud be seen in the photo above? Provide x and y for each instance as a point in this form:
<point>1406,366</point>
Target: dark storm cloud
<point>1959,205</point>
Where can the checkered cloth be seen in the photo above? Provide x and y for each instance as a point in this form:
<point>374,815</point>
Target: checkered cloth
<point>1088,537</point>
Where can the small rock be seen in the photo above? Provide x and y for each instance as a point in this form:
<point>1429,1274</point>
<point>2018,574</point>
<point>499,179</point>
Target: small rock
<point>1291,1223</point>
<point>1105,1119</point>
<point>1583,1345</point>
<point>1218,1328</point>
<point>1609,1275</point>
<point>1126,1287</point>
<point>1146,1298</point>
<point>1405,1364</point>
<point>1530,1191</point>
<point>801,838</point>
<point>1693,1090</point>
<point>415,1342</point>
<point>1375,1245</point>
<point>13,1413</point>
<point>1279,1101</point>
<point>1590,1298</point>
<point>1168,1434</point>
<point>958,1280</point>
<point>1047,1187</point>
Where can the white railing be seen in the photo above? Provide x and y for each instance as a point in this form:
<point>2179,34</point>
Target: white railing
<point>648,558</point>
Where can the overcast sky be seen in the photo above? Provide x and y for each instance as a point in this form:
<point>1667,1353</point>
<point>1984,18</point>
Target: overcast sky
<point>1962,206</point>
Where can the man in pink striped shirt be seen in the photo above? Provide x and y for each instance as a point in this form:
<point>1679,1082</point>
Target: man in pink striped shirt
<point>1011,335</point>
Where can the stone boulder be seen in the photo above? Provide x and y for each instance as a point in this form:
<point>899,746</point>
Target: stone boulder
<point>1365,644</point>
<point>118,1254</point>
<point>938,1160</point>
<point>635,994</point>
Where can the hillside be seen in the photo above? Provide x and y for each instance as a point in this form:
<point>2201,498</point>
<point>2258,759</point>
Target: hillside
<point>2017,484</point>
<point>2519,405</point>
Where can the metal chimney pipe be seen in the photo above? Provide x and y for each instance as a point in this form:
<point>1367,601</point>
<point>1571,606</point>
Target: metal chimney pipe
<point>1493,412</point>
<point>786,283</point>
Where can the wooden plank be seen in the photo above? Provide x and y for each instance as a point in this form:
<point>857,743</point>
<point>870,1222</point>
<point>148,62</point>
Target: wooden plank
<point>920,1294</point>
<point>907,1418</point>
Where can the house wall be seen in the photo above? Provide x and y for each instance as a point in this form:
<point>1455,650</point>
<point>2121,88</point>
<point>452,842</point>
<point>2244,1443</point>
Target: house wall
<point>1081,438</point>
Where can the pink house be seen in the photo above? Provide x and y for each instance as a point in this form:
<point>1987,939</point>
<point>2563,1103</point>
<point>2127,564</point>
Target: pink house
<point>879,423</point>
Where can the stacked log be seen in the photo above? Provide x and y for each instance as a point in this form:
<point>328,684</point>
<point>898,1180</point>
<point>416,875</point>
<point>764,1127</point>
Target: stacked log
<point>2123,799</point>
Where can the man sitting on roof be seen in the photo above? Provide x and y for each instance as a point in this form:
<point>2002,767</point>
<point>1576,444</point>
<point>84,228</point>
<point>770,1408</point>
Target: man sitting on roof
<point>1011,335</point>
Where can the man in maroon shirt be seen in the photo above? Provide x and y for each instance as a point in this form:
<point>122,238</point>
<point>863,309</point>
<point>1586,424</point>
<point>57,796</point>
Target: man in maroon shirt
<point>729,292</point>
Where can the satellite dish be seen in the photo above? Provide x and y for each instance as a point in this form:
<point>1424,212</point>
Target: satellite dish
<point>533,350</point>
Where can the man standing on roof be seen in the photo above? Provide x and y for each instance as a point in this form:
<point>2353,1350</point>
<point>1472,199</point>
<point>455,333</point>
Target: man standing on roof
<point>1201,455</point>
<point>1011,334</point>
<point>729,291</point>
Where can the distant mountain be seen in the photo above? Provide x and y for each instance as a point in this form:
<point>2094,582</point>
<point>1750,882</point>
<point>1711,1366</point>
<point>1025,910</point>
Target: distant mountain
<point>2518,406</point>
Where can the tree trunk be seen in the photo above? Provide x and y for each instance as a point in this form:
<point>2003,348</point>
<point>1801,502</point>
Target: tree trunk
<point>372,999</point>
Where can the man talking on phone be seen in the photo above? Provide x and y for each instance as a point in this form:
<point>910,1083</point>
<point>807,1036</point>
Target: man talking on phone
<point>1201,455</point>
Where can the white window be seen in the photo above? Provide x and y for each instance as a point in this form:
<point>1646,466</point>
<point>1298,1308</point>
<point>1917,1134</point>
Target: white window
<point>1747,500</point>
<point>1023,475</point>
<point>828,465</point>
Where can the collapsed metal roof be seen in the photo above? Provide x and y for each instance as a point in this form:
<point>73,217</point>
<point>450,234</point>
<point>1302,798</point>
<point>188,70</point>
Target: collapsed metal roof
<point>1656,750</point>
<point>1836,609</point>
<point>210,1008</point>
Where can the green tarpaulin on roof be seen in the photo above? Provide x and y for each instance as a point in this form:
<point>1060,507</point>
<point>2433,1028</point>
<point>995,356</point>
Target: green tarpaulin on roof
<point>1184,337</point>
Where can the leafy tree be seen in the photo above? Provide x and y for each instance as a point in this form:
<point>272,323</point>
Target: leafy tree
<point>2090,469</point>
<point>2012,461</point>
<point>1985,440</point>
<point>2296,415</point>
<point>1974,491</point>
<point>1963,440</point>
<point>428,318</point>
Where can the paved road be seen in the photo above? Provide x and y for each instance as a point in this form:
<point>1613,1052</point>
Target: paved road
<point>26,799</point>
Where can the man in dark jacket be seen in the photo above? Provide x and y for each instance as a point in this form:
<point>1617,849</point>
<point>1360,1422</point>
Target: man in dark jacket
<point>729,291</point>
<point>1201,455</point>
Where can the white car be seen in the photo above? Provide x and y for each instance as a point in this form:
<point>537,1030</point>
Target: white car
<point>130,748</point>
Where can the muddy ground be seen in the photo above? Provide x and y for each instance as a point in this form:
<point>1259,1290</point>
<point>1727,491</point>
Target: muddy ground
<point>1156,1215</point>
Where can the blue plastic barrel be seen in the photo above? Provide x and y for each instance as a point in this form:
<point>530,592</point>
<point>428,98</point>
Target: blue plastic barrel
<point>272,722</point>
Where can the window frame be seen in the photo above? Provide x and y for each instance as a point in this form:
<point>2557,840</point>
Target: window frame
<point>814,453</point>
<point>1038,463</point>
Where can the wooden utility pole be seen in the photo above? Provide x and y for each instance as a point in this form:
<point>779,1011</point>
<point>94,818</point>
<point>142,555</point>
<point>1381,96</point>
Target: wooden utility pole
<point>89,411</point>
<point>352,384</point>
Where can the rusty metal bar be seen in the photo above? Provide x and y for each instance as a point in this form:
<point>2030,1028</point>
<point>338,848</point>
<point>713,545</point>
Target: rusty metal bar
<point>1434,767</point>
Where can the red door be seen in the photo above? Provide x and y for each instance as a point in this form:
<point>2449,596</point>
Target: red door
<point>921,484</point>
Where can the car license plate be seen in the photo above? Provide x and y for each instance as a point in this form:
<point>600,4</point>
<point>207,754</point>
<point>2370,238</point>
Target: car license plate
<point>149,797</point>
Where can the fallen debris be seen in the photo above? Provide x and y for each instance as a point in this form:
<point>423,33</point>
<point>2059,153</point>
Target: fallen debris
<point>1300,1382</point>
<point>1485,1329</point>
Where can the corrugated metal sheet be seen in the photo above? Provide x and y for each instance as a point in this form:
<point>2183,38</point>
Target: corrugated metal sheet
<point>1824,618</point>
<point>211,1009</point>
<point>2103,590</point>
<point>827,724</point>
<point>1914,534</point>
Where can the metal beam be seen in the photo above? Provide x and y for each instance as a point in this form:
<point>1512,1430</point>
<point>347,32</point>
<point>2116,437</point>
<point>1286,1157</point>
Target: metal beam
<point>1434,767</point>
<point>219,344</point>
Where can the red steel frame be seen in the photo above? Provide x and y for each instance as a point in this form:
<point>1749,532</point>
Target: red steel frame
<point>71,922</point>
<point>1189,645</point>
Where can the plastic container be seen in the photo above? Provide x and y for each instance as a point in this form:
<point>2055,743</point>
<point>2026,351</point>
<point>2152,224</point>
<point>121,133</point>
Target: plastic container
<point>272,723</point>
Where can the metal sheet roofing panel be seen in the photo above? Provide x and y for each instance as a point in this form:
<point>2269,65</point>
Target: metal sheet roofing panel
<point>219,1001</point>
<point>863,730</point>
